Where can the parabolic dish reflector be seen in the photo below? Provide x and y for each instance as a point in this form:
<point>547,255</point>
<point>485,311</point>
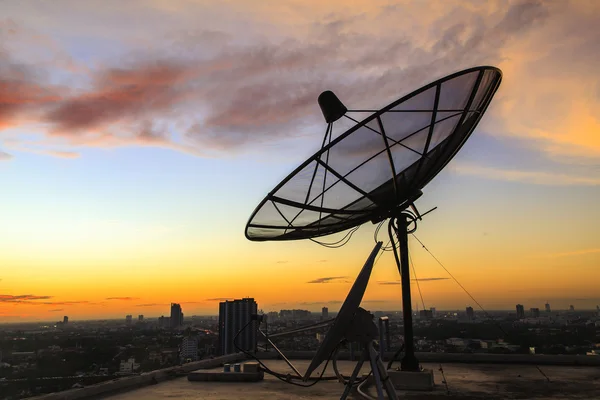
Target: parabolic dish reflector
<point>380,163</point>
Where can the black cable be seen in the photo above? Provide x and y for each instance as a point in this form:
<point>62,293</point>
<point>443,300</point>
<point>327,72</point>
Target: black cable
<point>459,284</point>
<point>277,374</point>
<point>395,356</point>
<point>506,335</point>
<point>416,279</point>
<point>336,245</point>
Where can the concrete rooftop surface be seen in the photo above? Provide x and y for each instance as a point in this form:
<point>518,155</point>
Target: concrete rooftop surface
<point>463,381</point>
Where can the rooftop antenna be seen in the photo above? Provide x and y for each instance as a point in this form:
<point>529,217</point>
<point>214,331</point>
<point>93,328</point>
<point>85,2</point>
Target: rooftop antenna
<point>374,171</point>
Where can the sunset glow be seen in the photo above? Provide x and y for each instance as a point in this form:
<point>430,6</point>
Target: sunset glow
<point>136,138</point>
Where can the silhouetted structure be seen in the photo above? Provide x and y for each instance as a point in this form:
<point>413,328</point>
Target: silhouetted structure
<point>548,307</point>
<point>176,315</point>
<point>65,320</point>
<point>571,308</point>
<point>520,311</point>
<point>233,317</point>
<point>426,314</point>
<point>433,312</point>
<point>470,313</point>
<point>128,319</point>
<point>189,349</point>
<point>535,312</point>
<point>416,136</point>
<point>164,322</point>
<point>325,313</point>
<point>140,318</point>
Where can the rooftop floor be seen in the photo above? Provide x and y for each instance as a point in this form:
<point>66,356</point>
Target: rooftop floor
<point>464,381</point>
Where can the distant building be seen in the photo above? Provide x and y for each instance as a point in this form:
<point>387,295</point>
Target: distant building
<point>295,314</point>
<point>233,317</point>
<point>425,314</point>
<point>535,312</point>
<point>470,313</point>
<point>128,319</point>
<point>140,318</point>
<point>65,320</point>
<point>128,366</point>
<point>272,316</point>
<point>164,322</point>
<point>520,311</point>
<point>548,307</point>
<point>325,313</point>
<point>176,316</point>
<point>189,349</point>
<point>571,308</point>
<point>433,312</point>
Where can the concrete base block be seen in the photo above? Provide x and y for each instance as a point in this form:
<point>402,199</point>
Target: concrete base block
<point>408,380</point>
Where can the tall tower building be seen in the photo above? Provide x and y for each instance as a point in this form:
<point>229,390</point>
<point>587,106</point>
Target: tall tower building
<point>65,320</point>
<point>325,313</point>
<point>140,318</point>
<point>548,307</point>
<point>571,308</point>
<point>520,311</point>
<point>470,313</point>
<point>176,316</point>
<point>233,317</point>
<point>128,319</point>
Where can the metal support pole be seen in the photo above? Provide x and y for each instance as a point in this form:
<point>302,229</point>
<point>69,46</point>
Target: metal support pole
<point>388,341</point>
<point>409,362</point>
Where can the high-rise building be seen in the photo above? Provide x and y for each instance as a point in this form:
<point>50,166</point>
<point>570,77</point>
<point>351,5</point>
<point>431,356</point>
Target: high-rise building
<point>176,316</point>
<point>140,318</point>
<point>571,308</point>
<point>470,313</point>
<point>548,307</point>
<point>433,312</point>
<point>535,312</point>
<point>189,349</point>
<point>164,322</point>
<point>325,313</point>
<point>520,311</point>
<point>65,320</point>
<point>233,317</point>
<point>128,319</point>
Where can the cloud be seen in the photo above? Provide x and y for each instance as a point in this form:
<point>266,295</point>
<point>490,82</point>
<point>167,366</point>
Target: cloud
<point>413,280</point>
<point>329,279</point>
<point>314,303</point>
<point>56,309</point>
<point>574,253</point>
<point>219,299</point>
<point>214,92</point>
<point>63,154</point>
<point>151,304</point>
<point>5,156</point>
<point>122,298</point>
<point>528,177</point>
<point>282,262</point>
<point>22,298</point>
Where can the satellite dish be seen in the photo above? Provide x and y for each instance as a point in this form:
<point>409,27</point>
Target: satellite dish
<point>378,165</point>
<point>374,171</point>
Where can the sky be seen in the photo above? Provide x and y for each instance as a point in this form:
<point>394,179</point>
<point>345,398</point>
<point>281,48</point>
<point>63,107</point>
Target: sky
<point>136,138</point>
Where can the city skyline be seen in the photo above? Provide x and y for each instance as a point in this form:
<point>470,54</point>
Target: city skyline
<point>132,154</point>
